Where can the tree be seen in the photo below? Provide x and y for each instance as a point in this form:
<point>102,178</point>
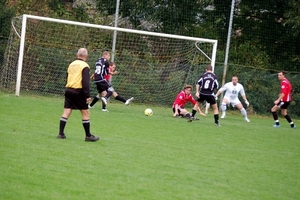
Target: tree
<point>6,15</point>
<point>173,17</point>
<point>262,22</point>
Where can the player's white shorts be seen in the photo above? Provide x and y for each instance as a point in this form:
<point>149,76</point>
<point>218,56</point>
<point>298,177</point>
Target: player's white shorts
<point>233,102</point>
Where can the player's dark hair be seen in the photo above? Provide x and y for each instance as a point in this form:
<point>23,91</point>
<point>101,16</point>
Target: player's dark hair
<point>208,68</point>
<point>283,73</point>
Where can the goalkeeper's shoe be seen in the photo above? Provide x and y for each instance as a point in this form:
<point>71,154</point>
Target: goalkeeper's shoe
<point>128,101</point>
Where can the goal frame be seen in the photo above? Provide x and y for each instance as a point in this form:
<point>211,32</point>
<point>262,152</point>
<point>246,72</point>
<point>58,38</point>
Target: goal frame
<point>23,35</point>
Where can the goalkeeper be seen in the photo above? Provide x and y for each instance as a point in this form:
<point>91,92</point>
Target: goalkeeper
<point>233,89</point>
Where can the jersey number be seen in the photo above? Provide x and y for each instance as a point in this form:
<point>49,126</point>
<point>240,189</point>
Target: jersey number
<point>206,84</point>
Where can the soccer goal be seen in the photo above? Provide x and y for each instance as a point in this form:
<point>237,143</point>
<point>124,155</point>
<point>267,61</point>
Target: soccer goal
<point>153,67</point>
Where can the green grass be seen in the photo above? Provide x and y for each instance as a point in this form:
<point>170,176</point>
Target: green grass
<point>140,157</point>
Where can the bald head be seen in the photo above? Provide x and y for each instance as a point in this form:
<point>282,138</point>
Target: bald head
<point>82,53</point>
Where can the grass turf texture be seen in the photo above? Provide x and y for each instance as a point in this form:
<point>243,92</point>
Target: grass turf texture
<point>140,157</point>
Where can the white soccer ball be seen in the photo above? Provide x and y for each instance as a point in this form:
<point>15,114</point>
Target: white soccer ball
<point>148,112</point>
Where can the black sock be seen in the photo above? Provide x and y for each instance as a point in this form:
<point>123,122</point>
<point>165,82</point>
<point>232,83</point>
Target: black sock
<point>216,117</point>
<point>120,98</point>
<point>62,124</point>
<point>96,98</point>
<point>86,126</point>
<point>108,94</point>
<point>194,112</point>
<point>275,117</point>
<point>103,106</point>
<point>288,118</point>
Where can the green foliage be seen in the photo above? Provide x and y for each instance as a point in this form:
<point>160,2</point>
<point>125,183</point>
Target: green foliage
<point>6,15</point>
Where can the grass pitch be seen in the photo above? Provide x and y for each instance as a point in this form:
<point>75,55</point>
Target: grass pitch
<point>140,157</point>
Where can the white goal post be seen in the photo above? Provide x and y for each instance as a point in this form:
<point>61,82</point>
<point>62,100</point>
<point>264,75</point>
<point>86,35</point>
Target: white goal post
<point>149,62</point>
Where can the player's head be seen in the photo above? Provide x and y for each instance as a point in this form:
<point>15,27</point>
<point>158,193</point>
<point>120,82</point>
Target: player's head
<point>235,80</point>
<point>281,75</point>
<point>106,55</point>
<point>187,89</point>
<point>82,53</point>
<point>208,68</point>
<point>112,65</point>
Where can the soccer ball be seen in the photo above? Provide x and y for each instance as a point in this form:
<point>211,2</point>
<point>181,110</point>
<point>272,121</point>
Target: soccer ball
<point>148,112</point>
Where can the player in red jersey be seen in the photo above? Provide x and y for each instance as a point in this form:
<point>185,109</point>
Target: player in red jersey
<point>182,98</point>
<point>283,101</point>
<point>111,91</point>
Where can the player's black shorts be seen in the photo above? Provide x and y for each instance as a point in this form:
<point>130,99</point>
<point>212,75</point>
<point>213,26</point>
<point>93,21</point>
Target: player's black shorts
<point>103,86</point>
<point>283,104</point>
<point>208,98</point>
<point>75,99</point>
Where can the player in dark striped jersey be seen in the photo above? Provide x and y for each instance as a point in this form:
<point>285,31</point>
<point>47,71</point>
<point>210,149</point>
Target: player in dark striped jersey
<point>102,69</point>
<point>205,87</point>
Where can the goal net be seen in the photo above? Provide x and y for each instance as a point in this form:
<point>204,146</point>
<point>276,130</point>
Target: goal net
<point>153,67</point>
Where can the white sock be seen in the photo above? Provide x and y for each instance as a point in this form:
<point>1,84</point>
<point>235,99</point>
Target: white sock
<point>244,112</point>
<point>207,107</point>
<point>223,107</point>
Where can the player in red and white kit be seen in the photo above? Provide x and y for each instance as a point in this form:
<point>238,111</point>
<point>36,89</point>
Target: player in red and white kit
<point>182,98</point>
<point>283,101</point>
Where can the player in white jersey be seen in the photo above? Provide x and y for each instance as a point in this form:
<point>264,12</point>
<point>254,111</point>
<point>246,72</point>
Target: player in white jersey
<point>233,89</point>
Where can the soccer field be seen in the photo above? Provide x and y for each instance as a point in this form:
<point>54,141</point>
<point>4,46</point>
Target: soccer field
<point>140,157</point>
